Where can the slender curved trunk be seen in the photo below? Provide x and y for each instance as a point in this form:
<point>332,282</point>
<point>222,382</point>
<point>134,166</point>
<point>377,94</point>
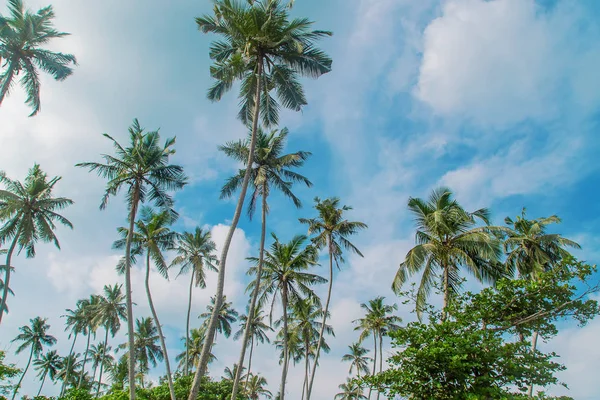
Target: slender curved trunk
<point>187,329</point>
<point>6,289</point>
<point>23,375</point>
<point>446,292</point>
<point>64,385</point>
<point>374,361</point>
<point>158,327</point>
<point>102,362</point>
<point>306,366</point>
<point>250,359</point>
<point>212,326</point>
<point>255,292</point>
<point>94,373</point>
<point>326,311</point>
<point>42,385</point>
<point>87,349</point>
<point>286,354</point>
<point>534,340</point>
<point>128,294</point>
<point>380,358</point>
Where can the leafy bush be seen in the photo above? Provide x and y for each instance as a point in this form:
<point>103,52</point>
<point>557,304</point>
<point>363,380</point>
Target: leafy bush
<point>76,394</point>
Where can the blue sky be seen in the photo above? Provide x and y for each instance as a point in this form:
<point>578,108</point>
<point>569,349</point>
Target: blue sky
<point>498,100</point>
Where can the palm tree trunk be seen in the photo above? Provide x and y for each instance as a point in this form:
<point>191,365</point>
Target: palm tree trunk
<point>250,359</point>
<point>102,362</point>
<point>322,331</point>
<point>64,385</point>
<point>23,375</point>
<point>446,292</point>
<point>160,333</point>
<point>380,358</point>
<point>255,292</point>
<point>374,361</point>
<point>187,329</point>
<point>306,366</point>
<point>212,325</point>
<point>87,348</point>
<point>94,373</point>
<point>534,340</point>
<point>286,354</point>
<point>128,294</point>
<point>42,385</point>
<point>7,272</point>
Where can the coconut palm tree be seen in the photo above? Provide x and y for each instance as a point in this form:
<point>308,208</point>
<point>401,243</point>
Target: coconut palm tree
<point>267,52</point>
<point>449,239</point>
<point>33,337</point>
<point>76,323</point>
<point>331,232</point>
<point>48,365</point>
<point>153,236</point>
<point>29,212</point>
<point>70,373</point>
<point>119,372</point>
<point>148,351</point>
<point>258,331</point>
<point>256,387</point>
<point>227,315</point>
<point>194,254</point>
<point>269,169</point>
<point>359,361</point>
<point>22,35</point>
<point>230,373</point>
<point>350,391</point>
<point>285,278</point>
<point>193,350</point>
<point>143,169</point>
<point>100,355</point>
<point>110,310</point>
<point>90,311</point>
<point>378,321</point>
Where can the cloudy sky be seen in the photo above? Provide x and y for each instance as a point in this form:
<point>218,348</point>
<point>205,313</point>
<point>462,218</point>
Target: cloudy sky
<point>497,99</point>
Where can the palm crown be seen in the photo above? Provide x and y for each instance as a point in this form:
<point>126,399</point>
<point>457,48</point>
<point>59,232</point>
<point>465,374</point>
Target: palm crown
<point>195,251</point>
<point>111,309</point>
<point>22,34</point>
<point>357,356</point>
<point>226,316</point>
<point>34,337</point>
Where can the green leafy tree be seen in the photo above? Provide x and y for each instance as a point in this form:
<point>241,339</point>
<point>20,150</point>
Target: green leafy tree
<point>267,52</point>
<point>226,316</point>
<point>448,240</point>
<point>350,390</point>
<point>143,169</point>
<point>194,254</point>
<point>256,387</point>
<point>48,365</point>
<point>22,35</point>
<point>34,338</point>
<point>29,212</point>
<point>258,331</point>
<point>358,359</point>
<point>269,169</point>
<point>153,236</point>
<point>193,350</point>
<point>331,232</point>
<point>7,373</point>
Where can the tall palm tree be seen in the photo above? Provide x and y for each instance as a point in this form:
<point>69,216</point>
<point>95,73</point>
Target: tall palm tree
<point>359,361</point>
<point>230,373</point>
<point>193,350</point>
<point>119,372</point>
<point>143,169</point>
<point>267,52</point>
<point>111,309</point>
<point>70,373</point>
<point>48,365</point>
<point>22,34</point>
<point>331,232</point>
<point>448,238</point>
<point>153,236</point>
<point>147,350</point>
<point>284,278</point>
<point>226,315</point>
<point>531,250</point>
<point>377,322</point>
<point>90,312</point>
<point>194,254</point>
<point>258,331</point>
<point>30,213</point>
<point>269,169</point>
<point>350,391</point>
<point>100,354</point>
<point>76,323</point>
<point>33,337</point>
<point>256,387</point>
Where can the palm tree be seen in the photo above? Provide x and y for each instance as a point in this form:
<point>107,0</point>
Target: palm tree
<point>357,356</point>
<point>100,355</point>
<point>267,52</point>
<point>226,316</point>
<point>153,236</point>
<point>447,239</point>
<point>350,391</point>
<point>143,168</point>
<point>119,372</point>
<point>109,312</point>
<point>269,169</point>
<point>90,312</point>
<point>76,323</point>
<point>33,337</point>
<point>378,321</point>
<point>194,253</point>
<point>256,387</point>
<point>285,278</point>
<point>258,331</point>
<point>70,373</point>
<point>147,351</point>
<point>193,350</point>
<point>332,232</point>
<point>21,35</point>
<point>230,373</point>
<point>30,213</point>
<point>48,365</point>
<point>530,251</point>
